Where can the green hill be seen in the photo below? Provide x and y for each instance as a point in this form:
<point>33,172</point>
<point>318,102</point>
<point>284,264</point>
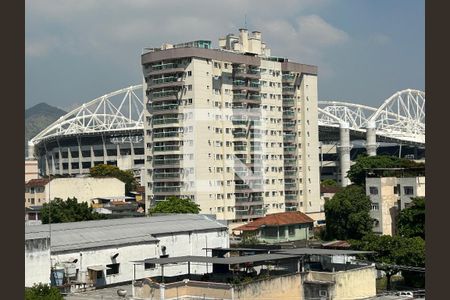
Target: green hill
<point>38,118</point>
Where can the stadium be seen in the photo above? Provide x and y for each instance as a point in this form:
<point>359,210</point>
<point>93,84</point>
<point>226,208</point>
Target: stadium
<point>110,130</point>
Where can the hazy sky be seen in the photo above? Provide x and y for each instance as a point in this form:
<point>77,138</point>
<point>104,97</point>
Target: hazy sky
<point>365,49</point>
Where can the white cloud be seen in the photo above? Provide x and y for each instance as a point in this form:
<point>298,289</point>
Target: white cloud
<point>315,31</point>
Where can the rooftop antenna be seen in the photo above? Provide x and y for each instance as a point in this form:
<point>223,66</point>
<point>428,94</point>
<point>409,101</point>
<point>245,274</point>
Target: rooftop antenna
<point>245,21</point>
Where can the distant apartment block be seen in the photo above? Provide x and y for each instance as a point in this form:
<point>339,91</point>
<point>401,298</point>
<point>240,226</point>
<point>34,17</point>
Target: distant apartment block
<point>233,129</point>
<point>389,195</point>
<point>31,169</point>
<point>39,191</point>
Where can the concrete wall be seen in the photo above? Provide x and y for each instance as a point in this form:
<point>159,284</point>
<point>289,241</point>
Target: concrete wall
<point>37,261</point>
<point>84,189</point>
<point>355,284</point>
<point>285,287</point>
<point>358,283</point>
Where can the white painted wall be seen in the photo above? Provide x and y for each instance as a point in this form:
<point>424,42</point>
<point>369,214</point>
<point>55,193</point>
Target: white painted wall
<point>178,244</point>
<point>37,261</point>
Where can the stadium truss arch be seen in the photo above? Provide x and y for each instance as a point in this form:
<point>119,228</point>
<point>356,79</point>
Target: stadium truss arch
<point>401,117</point>
<point>121,110</point>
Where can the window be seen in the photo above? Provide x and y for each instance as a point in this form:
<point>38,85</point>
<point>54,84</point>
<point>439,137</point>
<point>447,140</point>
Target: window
<point>375,206</point>
<point>291,230</point>
<point>189,73</point>
<point>373,190</point>
<point>149,266</point>
<point>113,269</point>
<point>409,190</point>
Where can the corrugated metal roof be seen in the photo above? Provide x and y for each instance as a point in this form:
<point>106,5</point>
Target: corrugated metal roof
<point>316,251</point>
<point>102,233</point>
<point>220,260</point>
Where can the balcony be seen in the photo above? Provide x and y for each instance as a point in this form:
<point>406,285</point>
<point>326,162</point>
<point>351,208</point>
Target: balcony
<point>171,94</point>
<point>163,162</point>
<point>288,77</point>
<point>166,69</point>
<point>167,148</point>
<point>242,72</point>
<point>290,173</point>
<point>290,197</point>
<point>164,121</point>
<point>164,107</point>
<point>240,148</point>
<point>288,101</point>
<point>166,189</point>
<point>240,134</point>
<point>289,123</point>
<point>291,208</point>
<point>161,135</point>
<point>289,136</point>
<point>290,149</point>
<point>166,175</point>
<point>290,186</point>
<point>288,114</point>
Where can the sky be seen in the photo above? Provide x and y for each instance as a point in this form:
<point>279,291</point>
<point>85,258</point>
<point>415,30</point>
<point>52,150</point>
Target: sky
<point>365,50</point>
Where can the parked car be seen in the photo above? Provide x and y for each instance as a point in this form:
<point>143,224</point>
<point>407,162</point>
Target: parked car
<point>406,294</point>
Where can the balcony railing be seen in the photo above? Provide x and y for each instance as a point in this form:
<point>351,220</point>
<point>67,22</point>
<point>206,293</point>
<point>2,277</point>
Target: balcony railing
<point>165,121</point>
<point>158,162</point>
<point>158,189</point>
<point>158,135</point>
<point>288,113</point>
<point>240,148</point>
<point>164,107</point>
<point>290,172</point>
<point>166,175</point>
<point>157,95</point>
<point>166,66</point>
<point>166,148</point>
<point>165,80</point>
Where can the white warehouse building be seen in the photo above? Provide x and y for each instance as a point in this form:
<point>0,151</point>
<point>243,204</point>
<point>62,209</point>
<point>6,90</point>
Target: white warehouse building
<point>105,252</point>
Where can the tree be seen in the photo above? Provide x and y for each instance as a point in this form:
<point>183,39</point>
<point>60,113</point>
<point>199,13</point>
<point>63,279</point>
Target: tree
<point>393,251</point>
<point>411,220</point>
<point>112,171</point>
<point>347,214</point>
<point>42,292</point>
<point>358,171</point>
<point>175,205</point>
<point>329,182</point>
<point>60,211</point>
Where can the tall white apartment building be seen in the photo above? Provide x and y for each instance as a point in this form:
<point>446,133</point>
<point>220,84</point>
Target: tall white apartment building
<point>233,129</point>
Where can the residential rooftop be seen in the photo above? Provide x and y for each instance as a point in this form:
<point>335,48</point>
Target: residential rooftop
<point>277,219</point>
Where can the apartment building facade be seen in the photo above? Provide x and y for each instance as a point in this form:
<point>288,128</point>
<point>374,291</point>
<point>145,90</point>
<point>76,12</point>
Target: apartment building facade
<point>233,129</point>
<point>389,195</point>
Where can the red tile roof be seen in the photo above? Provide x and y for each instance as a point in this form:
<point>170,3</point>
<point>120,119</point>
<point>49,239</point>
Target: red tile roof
<point>37,182</point>
<point>329,189</point>
<point>278,219</point>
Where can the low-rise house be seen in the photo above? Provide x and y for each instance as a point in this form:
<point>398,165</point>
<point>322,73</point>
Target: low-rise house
<point>39,191</point>
<point>103,252</point>
<point>278,228</point>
